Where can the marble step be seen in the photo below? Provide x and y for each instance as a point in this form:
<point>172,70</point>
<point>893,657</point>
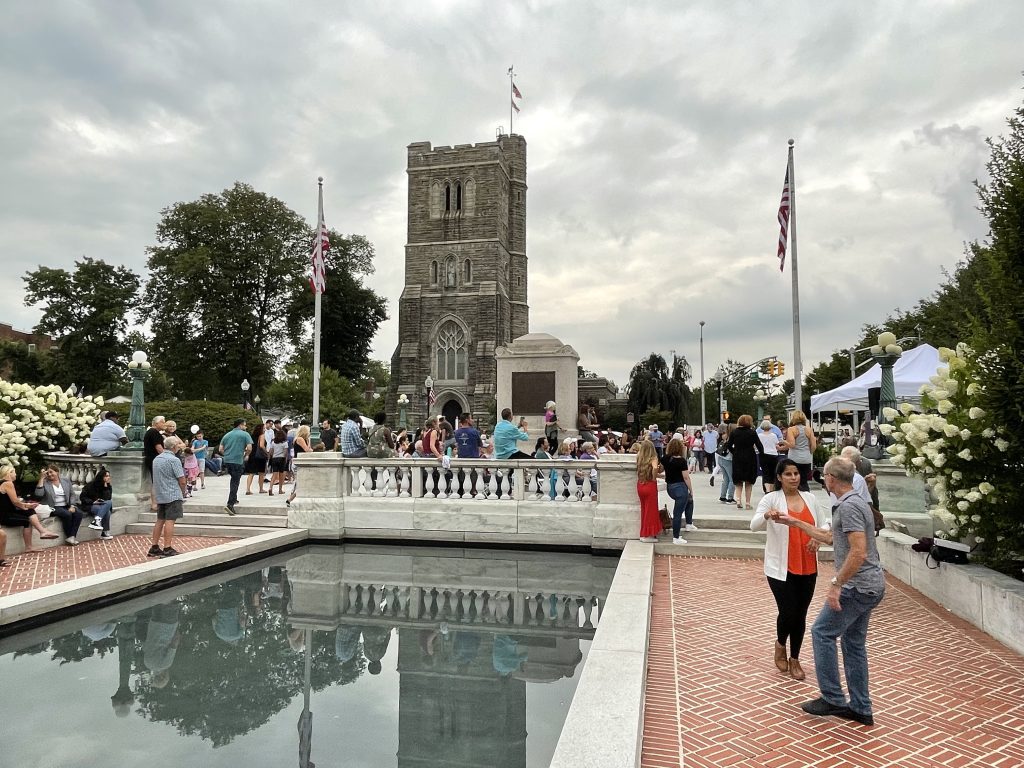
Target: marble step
<point>721,548</point>
<point>209,507</point>
<point>220,517</point>
<point>188,529</point>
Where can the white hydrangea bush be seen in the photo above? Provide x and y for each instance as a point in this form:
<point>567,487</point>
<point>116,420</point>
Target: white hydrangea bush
<point>956,445</point>
<point>36,419</point>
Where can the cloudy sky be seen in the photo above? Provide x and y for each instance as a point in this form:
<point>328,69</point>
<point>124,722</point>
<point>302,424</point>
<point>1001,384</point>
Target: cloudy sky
<point>656,136</point>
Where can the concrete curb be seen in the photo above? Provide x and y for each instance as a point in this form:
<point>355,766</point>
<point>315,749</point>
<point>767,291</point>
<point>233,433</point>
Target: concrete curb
<point>603,729</point>
<point>77,592</point>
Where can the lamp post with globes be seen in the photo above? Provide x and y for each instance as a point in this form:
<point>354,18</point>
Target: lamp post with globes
<point>760,397</point>
<point>138,368</point>
<point>245,392</point>
<point>886,352</point>
<point>428,383</point>
<point>403,404</point>
<point>256,403</point>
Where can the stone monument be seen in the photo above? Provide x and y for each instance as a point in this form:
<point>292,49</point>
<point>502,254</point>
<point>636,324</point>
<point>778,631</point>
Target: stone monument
<point>534,369</point>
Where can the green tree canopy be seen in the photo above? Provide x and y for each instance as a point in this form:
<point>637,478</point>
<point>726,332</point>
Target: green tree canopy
<point>225,282</point>
<point>652,386</point>
<point>86,312</point>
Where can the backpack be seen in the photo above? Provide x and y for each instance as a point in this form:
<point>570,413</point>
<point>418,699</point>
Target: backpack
<point>376,444</point>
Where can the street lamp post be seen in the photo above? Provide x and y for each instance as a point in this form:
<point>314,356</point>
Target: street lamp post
<point>245,392</point>
<point>256,402</point>
<point>703,415</point>
<point>428,383</point>
<point>886,352</point>
<point>403,403</point>
<point>760,397</point>
<point>720,378</point>
<point>138,367</point>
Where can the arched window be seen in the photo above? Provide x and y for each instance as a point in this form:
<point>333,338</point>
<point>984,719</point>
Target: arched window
<point>449,272</point>
<point>451,352</point>
<point>435,200</point>
<point>433,272</point>
<point>458,197</point>
<point>470,201</point>
<point>447,197</point>
<point>467,271</point>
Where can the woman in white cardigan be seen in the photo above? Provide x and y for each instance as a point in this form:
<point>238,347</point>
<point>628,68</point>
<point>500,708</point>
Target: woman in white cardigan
<point>790,562</point>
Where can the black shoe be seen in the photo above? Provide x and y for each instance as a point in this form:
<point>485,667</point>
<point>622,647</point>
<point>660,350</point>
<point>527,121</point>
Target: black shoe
<point>857,717</point>
<point>712,481</point>
<point>822,708</point>
<point>230,509</point>
<point>170,552</point>
<point>155,551</point>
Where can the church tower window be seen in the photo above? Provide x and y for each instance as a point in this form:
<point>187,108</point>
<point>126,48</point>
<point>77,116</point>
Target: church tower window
<point>447,198</point>
<point>458,197</point>
<point>451,352</point>
<point>467,271</point>
<point>449,272</point>
<point>433,272</point>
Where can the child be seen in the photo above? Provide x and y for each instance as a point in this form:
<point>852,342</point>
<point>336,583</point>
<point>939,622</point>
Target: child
<point>190,464</point>
<point>551,423</point>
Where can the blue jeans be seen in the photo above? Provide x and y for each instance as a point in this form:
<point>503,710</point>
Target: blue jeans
<point>680,494</point>
<point>728,487</point>
<point>235,470</point>
<point>102,510</point>
<point>850,626</point>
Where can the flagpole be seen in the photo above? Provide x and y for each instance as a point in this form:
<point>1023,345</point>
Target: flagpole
<point>510,102</point>
<point>797,366</point>
<point>318,259</point>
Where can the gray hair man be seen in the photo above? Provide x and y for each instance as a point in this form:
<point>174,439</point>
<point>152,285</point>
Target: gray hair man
<point>168,492</point>
<point>855,590</point>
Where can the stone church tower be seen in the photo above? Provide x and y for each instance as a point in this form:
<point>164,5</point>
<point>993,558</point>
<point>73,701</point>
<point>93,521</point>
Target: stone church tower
<point>465,276</point>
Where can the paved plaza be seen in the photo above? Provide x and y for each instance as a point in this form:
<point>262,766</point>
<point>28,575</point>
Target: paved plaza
<point>944,692</point>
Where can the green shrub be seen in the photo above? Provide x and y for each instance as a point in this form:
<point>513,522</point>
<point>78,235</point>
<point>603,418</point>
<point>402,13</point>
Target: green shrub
<point>215,419</point>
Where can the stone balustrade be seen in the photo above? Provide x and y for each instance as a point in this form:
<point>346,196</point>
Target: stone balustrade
<point>127,478</point>
<point>528,501</point>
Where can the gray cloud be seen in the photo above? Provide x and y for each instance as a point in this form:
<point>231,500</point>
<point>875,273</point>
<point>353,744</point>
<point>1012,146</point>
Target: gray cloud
<point>656,138</point>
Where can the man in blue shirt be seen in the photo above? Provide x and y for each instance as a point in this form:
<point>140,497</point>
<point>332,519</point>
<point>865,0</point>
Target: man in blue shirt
<point>506,435</point>
<point>235,447</point>
<point>467,438</point>
<point>168,491</point>
<point>710,446</point>
<point>352,445</point>
<point>657,437</point>
<point>106,436</point>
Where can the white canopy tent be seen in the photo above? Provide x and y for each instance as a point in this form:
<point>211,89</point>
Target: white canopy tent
<point>913,369</point>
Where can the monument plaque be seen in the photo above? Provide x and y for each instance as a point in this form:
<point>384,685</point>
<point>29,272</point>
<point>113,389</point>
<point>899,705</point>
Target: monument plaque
<point>532,390</point>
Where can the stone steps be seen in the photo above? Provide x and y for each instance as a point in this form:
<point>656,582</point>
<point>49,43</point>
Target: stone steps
<point>721,547</point>
<point>221,518</point>
<point>188,529</point>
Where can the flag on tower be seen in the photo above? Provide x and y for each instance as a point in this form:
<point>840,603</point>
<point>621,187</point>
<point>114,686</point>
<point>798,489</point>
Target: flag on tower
<point>431,397</point>
<point>514,105</point>
<point>318,280</point>
<point>784,221</point>
<point>515,92</point>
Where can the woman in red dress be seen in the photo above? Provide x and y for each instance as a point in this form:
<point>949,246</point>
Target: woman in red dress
<point>647,469</point>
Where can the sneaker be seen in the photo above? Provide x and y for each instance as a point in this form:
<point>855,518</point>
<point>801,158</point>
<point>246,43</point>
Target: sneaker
<point>712,481</point>
<point>857,717</point>
<point>106,536</point>
<point>230,509</point>
<point>649,539</point>
<point>679,541</point>
<point>821,708</point>
<point>71,541</point>
<point>96,524</point>
<point>691,527</point>
<point>170,552</point>
<point>155,551</point>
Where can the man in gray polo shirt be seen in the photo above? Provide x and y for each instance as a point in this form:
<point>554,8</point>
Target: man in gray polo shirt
<point>169,492</point>
<point>855,590</point>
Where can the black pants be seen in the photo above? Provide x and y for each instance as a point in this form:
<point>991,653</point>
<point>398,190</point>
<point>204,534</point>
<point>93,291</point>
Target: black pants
<point>69,520</point>
<point>793,597</point>
<point>805,475</point>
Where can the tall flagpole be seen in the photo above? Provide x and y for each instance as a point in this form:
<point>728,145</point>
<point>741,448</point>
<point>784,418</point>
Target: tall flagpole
<point>797,366</point>
<point>511,72</point>
<point>318,259</point>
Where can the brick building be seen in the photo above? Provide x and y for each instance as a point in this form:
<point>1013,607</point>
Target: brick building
<point>9,333</point>
<point>465,275</point>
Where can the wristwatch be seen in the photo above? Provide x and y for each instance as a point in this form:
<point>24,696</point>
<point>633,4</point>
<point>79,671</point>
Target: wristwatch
<point>834,581</point>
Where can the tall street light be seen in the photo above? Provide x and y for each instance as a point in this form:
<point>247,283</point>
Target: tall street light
<point>886,352</point>
<point>703,416</point>
<point>245,392</point>
<point>138,367</point>
<point>403,403</point>
<point>428,383</point>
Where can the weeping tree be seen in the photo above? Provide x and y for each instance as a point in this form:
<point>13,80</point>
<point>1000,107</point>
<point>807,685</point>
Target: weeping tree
<point>654,386</point>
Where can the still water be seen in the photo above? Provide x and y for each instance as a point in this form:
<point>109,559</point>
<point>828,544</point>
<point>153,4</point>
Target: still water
<point>324,656</point>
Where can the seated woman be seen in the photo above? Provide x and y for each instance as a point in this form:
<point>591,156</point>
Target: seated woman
<point>56,492</point>
<point>95,502</point>
<point>17,513</point>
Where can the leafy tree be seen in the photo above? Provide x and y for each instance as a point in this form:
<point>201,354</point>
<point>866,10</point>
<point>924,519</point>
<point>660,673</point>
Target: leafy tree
<point>350,313</point>
<point>293,391</point>
<point>86,312</point>
<point>17,363</point>
<point>653,386</point>
<point>226,280</point>
<point>380,372</point>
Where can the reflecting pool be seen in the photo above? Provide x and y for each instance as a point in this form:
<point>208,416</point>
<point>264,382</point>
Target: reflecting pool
<point>324,656</point>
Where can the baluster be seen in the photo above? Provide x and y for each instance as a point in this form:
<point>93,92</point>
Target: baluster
<point>587,607</point>
<point>371,600</point>
<point>501,606</point>
<point>432,603</point>
<point>401,600</point>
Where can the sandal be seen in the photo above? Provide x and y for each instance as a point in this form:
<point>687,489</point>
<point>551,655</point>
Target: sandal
<point>48,536</point>
<point>248,493</point>
<point>5,563</point>
<point>271,493</point>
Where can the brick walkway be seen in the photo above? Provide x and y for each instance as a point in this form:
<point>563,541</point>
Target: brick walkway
<point>944,693</point>
<point>57,564</point>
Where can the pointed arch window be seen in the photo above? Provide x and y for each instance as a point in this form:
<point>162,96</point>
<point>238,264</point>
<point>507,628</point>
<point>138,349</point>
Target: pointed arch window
<point>447,198</point>
<point>458,197</point>
<point>451,352</point>
<point>433,272</point>
<point>467,271</point>
<point>449,272</point>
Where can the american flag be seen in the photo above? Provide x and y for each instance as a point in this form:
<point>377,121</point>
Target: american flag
<point>515,92</point>
<point>431,397</point>
<point>784,221</point>
<point>514,105</point>
<point>318,281</point>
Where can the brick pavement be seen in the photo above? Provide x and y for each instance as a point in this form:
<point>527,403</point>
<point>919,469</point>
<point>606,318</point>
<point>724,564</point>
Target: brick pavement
<point>944,692</point>
<point>56,564</point>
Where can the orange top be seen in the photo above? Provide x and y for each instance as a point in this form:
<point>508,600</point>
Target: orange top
<point>801,562</point>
